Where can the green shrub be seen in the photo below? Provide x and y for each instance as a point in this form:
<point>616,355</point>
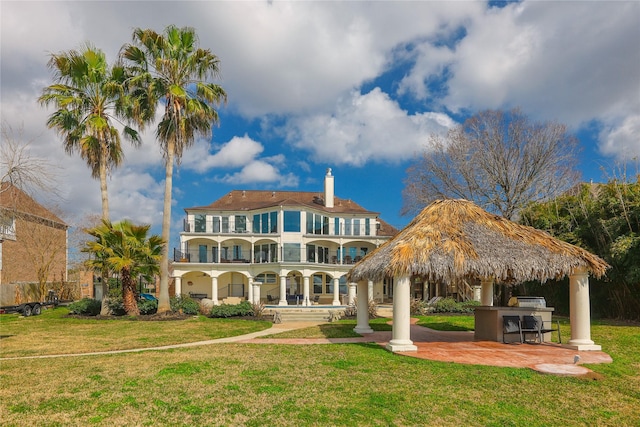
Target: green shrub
<point>147,306</point>
<point>116,305</point>
<point>449,305</point>
<point>85,307</point>
<point>187,304</point>
<point>235,310</point>
<point>417,307</point>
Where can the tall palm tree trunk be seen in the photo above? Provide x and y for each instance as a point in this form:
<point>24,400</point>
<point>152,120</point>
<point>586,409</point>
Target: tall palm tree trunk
<point>164,304</point>
<point>104,309</point>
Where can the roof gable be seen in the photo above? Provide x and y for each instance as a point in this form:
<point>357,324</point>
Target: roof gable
<point>14,199</point>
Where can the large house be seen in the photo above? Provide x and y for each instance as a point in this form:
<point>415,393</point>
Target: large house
<point>33,246</point>
<point>278,247</point>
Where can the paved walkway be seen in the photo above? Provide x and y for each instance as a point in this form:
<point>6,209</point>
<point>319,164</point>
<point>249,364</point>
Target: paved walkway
<point>456,347</point>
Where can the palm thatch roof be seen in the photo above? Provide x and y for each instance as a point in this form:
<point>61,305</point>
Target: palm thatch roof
<point>456,239</point>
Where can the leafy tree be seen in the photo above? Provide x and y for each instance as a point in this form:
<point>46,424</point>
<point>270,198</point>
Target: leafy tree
<point>604,219</point>
<point>90,101</point>
<point>170,70</point>
<point>125,247</point>
<point>500,160</point>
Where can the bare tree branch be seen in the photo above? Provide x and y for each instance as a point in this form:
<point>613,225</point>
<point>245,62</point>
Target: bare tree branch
<point>500,160</point>
<point>18,167</point>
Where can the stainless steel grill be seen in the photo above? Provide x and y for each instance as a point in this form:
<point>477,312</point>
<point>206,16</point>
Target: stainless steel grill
<point>531,302</point>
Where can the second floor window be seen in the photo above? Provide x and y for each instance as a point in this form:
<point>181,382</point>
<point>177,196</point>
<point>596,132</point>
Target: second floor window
<point>265,223</point>
<point>200,223</point>
<point>292,221</point>
<point>241,223</point>
<point>317,224</point>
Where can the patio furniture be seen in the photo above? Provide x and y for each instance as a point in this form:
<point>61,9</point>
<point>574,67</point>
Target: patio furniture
<point>511,325</point>
<point>316,299</point>
<point>535,325</point>
<point>271,299</point>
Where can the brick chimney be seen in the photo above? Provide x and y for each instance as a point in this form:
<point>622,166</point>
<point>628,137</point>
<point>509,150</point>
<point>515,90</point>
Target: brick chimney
<point>328,189</point>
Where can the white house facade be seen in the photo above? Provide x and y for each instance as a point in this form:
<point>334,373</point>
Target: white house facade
<point>277,247</point>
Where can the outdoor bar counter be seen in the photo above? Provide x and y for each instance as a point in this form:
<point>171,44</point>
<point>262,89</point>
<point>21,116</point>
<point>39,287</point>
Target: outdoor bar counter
<point>489,320</point>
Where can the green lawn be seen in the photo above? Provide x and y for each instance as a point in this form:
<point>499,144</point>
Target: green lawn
<point>297,385</point>
<point>54,333</point>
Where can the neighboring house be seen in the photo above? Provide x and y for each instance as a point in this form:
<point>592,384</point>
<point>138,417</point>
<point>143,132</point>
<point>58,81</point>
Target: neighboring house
<point>279,247</point>
<point>33,246</point>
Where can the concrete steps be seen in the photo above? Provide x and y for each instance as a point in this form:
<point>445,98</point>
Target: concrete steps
<point>305,315</point>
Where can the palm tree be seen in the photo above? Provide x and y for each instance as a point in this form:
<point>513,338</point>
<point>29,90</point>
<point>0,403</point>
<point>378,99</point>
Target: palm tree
<point>90,100</point>
<point>171,70</point>
<point>124,247</point>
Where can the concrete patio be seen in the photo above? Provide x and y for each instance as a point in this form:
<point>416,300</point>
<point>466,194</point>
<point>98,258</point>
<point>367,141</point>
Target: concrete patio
<point>460,347</point>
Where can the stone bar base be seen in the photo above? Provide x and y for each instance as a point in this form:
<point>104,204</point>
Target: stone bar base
<point>488,320</point>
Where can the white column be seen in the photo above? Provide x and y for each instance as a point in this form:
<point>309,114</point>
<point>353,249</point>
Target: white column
<point>487,292</point>
<point>401,329</point>
<point>283,290</point>
<point>362,326</point>
<point>352,293</point>
<point>305,291</point>
<point>336,291</point>
<point>214,290</point>
<point>250,290</point>
<point>580,311</point>
<point>178,285</point>
<point>256,292</point>
<point>370,289</point>
<point>477,293</point>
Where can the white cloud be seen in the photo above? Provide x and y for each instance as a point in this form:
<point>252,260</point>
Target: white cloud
<point>364,128</point>
<point>622,142</point>
<point>238,152</point>
<point>302,65</point>
<point>293,57</point>
<point>570,61</point>
<point>429,61</point>
<point>260,172</point>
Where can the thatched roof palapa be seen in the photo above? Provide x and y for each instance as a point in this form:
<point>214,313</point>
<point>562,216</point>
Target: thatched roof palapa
<point>456,239</point>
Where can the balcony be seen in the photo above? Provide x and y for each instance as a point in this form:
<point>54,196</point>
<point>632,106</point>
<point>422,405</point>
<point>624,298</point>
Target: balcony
<point>260,257</point>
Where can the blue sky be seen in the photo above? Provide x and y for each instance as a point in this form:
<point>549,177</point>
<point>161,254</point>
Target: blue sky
<point>354,86</point>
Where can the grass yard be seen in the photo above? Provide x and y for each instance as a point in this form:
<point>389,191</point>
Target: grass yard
<point>297,385</point>
<point>54,333</point>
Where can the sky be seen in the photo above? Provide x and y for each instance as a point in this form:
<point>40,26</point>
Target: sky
<point>355,86</point>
